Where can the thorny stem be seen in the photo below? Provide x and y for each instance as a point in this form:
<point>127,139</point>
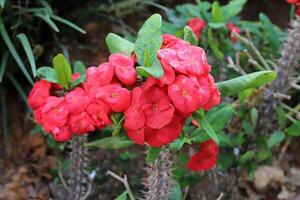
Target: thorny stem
<point>159,183</point>
<point>286,66</point>
<point>78,175</point>
<point>122,180</point>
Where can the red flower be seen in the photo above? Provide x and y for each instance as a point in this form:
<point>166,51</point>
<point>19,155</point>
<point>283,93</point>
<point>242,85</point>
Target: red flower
<point>165,135</point>
<point>61,134</point>
<point>197,25</point>
<point>134,116</point>
<point>233,29</point>
<point>116,97</point>
<point>215,96</point>
<point>80,123</point>
<point>98,112</point>
<point>39,93</point>
<point>96,77</point>
<point>77,100</point>
<point>206,158</point>
<point>54,113</point>
<point>188,60</point>
<point>184,94</point>
<point>124,68</point>
<point>75,76</point>
<point>170,41</point>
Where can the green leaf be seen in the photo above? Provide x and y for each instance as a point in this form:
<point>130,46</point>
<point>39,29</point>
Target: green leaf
<point>254,116</point>
<point>110,143</point>
<point>123,196</point>
<point>155,70</point>
<point>263,154</point>
<point>281,117</point>
<point>152,154</point>
<point>208,129</point>
<point>2,3</point>
<point>3,65</point>
<point>62,69</point>
<point>47,73</point>
<point>177,144</point>
<point>13,51</point>
<point>294,129</point>
<point>149,39</point>
<point>27,48</point>
<point>216,25</point>
<point>232,9</point>
<point>270,34</point>
<point>190,36</point>
<point>117,44</point>
<point>247,156</point>
<point>244,82</point>
<point>79,67</point>
<point>275,139</point>
<point>216,12</point>
<point>175,191</point>
<point>68,23</point>
<point>214,45</point>
<point>46,18</point>
<point>219,116</point>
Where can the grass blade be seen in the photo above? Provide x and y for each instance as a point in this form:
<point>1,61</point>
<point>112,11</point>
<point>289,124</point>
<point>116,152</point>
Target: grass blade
<point>3,65</point>
<point>47,19</point>
<point>68,23</point>
<point>27,48</point>
<point>13,51</point>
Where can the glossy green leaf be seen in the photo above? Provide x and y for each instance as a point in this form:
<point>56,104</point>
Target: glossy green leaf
<point>263,155</point>
<point>216,25</point>
<point>13,51</point>
<point>216,12</point>
<point>232,9</point>
<point>155,70</point>
<point>219,116</point>
<point>152,154</point>
<point>79,68</point>
<point>254,116</point>
<point>110,143</point>
<point>177,144</point>
<point>225,160</point>
<point>148,42</point>
<point>117,44</point>
<point>62,69</point>
<point>190,36</point>
<point>275,139</point>
<point>206,126</point>
<point>294,129</point>
<point>244,82</point>
<point>175,191</point>
<point>27,48</point>
<point>47,73</point>
<point>3,65</point>
<point>68,23</point>
<point>214,45</point>
<point>123,196</point>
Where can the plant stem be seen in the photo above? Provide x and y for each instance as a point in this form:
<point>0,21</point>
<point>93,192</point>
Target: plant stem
<point>124,181</point>
<point>158,183</point>
<point>78,175</point>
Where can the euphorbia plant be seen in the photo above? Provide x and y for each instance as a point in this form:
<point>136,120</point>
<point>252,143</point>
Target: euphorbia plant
<point>149,89</point>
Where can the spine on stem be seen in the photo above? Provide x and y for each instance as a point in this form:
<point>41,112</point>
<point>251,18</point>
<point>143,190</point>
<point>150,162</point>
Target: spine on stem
<point>159,174</point>
<point>286,66</point>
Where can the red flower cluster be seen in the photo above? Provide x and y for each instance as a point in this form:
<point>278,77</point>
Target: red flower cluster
<point>297,4</point>
<point>159,107</point>
<point>154,110</point>
<point>233,29</point>
<point>206,158</point>
<point>197,25</point>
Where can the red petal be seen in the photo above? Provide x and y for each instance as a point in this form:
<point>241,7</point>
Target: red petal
<point>137,136</point>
